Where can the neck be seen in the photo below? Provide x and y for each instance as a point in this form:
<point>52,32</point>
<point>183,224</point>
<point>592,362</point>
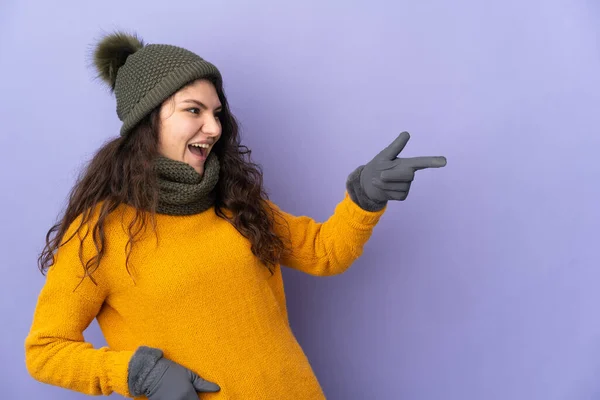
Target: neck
<point>182,190</point>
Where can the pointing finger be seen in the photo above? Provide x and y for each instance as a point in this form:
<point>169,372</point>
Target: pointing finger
<point>392,151</point>
<point>418,163</point>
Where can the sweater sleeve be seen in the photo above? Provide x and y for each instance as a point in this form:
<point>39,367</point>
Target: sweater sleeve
<point>330,247</point>
<point>55,350</point>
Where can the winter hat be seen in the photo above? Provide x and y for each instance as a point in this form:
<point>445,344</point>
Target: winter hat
<point>143,76</point>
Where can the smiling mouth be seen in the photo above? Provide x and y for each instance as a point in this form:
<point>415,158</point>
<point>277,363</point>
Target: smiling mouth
<point>199,149</point>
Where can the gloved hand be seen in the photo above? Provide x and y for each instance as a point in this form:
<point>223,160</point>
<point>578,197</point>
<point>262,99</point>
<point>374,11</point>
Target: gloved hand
<point>158,378</point>
<point>387,177</point>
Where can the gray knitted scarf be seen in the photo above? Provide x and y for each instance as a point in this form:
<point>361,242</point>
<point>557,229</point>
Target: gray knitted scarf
<point>182,191</point>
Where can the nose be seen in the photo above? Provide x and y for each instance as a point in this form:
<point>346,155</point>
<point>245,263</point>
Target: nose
<point>211,126</point>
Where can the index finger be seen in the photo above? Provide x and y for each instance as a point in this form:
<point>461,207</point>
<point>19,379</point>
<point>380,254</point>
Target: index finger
<point>418,163</point>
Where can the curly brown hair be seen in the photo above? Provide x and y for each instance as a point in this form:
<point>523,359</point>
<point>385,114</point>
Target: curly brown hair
<point>121,172</point>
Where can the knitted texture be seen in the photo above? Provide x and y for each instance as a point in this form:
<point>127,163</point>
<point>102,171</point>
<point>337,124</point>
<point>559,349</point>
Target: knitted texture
<point>198,294</point>
<point>182,191</point>
<point>151,75</point>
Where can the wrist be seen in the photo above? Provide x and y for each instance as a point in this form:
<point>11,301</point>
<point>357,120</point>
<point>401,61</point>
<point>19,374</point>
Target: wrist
<point>358,194</point>
<point>141,366</point>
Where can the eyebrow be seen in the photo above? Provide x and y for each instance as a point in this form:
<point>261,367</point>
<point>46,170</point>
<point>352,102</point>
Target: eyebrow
<point>200,104</point>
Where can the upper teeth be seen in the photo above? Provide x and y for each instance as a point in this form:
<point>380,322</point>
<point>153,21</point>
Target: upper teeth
<point>200,145</point>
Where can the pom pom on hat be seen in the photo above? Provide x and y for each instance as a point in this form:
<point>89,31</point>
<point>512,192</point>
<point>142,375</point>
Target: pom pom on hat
<point>111,53</point>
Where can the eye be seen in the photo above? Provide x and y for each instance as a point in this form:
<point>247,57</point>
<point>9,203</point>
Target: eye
<point>194,110</point>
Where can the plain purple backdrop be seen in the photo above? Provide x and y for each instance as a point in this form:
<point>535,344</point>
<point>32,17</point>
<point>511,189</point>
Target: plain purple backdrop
<point>482,285</point>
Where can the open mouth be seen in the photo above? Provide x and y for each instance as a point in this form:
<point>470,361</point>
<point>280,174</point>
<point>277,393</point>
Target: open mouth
<point>199,149</point>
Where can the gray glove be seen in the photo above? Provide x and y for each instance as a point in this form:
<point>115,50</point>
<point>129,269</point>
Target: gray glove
<point>158,378</point>
<point>387,177</point>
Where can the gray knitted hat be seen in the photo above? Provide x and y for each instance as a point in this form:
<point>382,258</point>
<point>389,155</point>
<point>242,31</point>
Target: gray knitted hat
<point>143,76</point>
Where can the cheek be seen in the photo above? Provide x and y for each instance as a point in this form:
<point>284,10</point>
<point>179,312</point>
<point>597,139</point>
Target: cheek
<point>186,129</point>
<point>167,140</point>
<point>176,134</point>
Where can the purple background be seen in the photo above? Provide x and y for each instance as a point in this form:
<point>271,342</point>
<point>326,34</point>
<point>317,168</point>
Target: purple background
<point>482,285</point>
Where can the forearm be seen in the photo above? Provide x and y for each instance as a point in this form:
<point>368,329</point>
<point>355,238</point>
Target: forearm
<point>330,247</point>
<point>76,365</point>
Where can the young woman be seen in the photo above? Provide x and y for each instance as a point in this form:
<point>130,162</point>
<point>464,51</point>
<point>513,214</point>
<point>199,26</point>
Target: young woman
<point>171,243</point>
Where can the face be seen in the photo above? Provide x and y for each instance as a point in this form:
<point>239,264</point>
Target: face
<point>190,124</point>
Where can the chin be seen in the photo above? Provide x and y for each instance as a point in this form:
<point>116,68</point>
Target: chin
<point>198,167</point>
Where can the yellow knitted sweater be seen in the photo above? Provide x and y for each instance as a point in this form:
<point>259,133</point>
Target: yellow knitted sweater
<point>199,295</point>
